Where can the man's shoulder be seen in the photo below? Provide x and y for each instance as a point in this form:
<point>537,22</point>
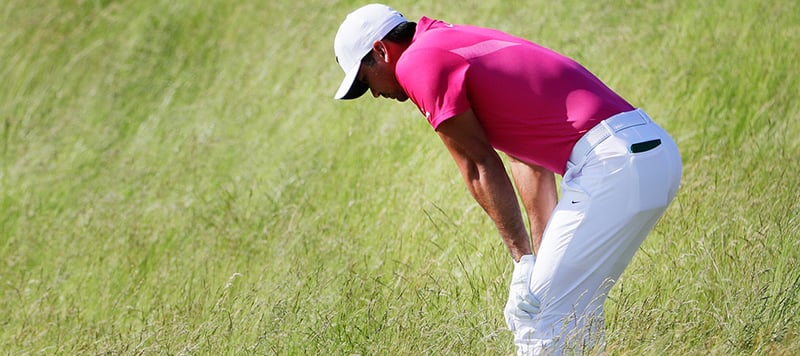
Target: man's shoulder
<point>429,56</point>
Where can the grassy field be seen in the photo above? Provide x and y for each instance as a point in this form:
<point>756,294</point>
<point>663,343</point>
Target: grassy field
<point>175,178</point>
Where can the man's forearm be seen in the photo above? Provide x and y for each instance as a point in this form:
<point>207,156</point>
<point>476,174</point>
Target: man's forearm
<point>537,189</point>
<point>490,186</point>
<point>486,178</point>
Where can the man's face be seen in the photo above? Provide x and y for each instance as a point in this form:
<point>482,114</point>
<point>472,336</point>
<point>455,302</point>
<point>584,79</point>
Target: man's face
<point>380,79</point>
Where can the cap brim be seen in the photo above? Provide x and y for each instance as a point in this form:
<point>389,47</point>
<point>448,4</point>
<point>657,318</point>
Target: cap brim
<point>350,87</point>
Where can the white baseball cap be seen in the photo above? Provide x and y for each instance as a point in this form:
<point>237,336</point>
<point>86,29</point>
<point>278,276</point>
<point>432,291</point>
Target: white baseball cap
<point>356,35</point>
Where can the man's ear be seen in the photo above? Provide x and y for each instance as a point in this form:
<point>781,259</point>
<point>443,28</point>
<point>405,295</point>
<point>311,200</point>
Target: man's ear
<point>380,48</point>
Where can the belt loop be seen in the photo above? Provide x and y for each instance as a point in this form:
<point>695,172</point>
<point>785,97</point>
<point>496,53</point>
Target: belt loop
<point>607,127</point>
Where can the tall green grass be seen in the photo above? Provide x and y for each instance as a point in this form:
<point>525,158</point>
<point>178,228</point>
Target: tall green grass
<point>176,179</point>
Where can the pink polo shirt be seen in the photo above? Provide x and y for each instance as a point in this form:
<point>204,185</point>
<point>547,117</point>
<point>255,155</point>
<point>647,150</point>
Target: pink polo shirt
<point>532,102</point>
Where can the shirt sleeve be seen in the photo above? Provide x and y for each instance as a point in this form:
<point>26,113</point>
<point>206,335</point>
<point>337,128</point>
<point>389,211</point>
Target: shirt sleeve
<point>435,80</point>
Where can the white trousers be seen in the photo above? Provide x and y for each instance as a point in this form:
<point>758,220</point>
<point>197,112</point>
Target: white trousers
<point>617,185</point>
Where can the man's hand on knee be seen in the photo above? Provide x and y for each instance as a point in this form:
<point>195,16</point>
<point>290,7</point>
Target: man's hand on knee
<point>522,305</point>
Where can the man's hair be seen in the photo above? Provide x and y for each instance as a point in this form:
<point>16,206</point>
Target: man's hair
<point>402,33</point>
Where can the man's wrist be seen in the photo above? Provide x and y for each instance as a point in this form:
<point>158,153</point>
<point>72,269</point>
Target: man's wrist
<point>517,255</point>
<point>523,269</point>
<point>526,259</point>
